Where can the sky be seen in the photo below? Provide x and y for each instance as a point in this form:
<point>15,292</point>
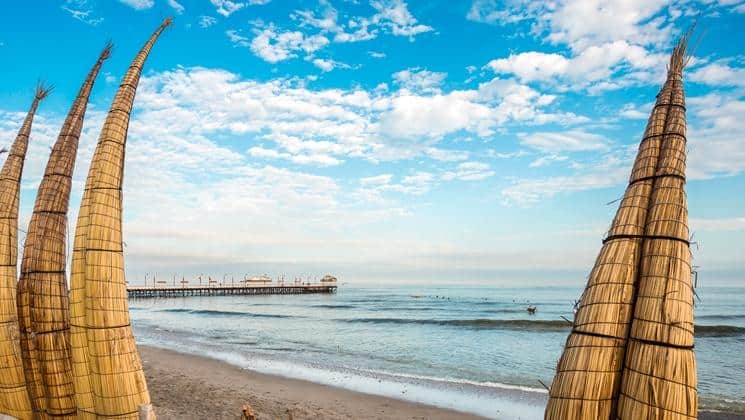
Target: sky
<point>462,142</point>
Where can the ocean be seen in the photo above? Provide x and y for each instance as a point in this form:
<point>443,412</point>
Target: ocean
<point>473,349</point>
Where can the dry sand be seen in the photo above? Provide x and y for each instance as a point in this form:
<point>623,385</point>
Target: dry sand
<point>191,387</point>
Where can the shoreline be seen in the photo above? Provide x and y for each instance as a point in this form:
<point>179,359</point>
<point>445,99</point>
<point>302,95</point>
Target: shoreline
<point>186,386</point>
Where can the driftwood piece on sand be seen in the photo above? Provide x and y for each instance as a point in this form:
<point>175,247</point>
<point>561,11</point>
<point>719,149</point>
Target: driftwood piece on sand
<point>247,413</point>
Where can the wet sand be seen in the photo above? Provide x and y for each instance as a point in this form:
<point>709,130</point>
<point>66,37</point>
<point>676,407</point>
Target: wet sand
<point>191,387</point>
<point>716,415</point>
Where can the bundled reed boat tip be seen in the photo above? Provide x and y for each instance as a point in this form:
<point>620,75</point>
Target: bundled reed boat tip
<point>108,367</point>
<point>43,295</point>
<point>659,376</point>
<point>619,361</point>
<point>79,366</point>
<point>43,90</point>
<point>14,399</point>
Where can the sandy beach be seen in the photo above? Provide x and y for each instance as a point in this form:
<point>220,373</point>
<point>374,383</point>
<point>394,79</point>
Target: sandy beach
<point>184,386</point>
<point>190,387</point>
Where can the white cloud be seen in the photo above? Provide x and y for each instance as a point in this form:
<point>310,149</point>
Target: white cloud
<point>376,54</point>
<point>606,170</point>
<point>232,209</point>
<point>227,7</point>
<point>302,159</point>
<point>489,11</point>
<point>313,127</point>
<point>719,74</point>
<point>718,225</point>
<point>273,45</point>
<point>546,160</point>
<point>509,89</point>
<point>327,64</point>
<point>716,149</point>
<point>207,21</point>
<point>611,44</point>
<point>326,22</point>
<point>323,64</point>
<point>374,188</point>
<point>237,39</point>
<point>477,111</point>
<point>392,16</point>
<point>176,6</point>
<point>629,111</point>
<point>419,80</point>
<point>444,155</point>
<point>582,23</point>
<point>381,179</point>
<point>358,31</point>
<point>414,116</point>
<point>82,11</point>
<point>208,143</point>
<point>285,120</point>
<point>716,143</point>
<point>532,65</point>
<point>563,141</point>
<point>590,68</point>
<point>508,155</point>
<point>417,183</point>
<point>469,171</point>
<point>139,4</point>
<point>45,131</point>
<point>527,192</point>
<point>395,15</point>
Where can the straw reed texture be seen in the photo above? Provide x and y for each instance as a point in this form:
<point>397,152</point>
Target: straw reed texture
<point>14,400</point>
<point>659,376</point>
<point>31,370</point>
<point>115,374</point>
<point>44,258</point>
<point>83,394</point>
<point>589,372</point>
<point>78,340</point>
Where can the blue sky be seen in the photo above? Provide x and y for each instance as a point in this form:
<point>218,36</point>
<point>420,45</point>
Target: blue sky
<point>383,140</point>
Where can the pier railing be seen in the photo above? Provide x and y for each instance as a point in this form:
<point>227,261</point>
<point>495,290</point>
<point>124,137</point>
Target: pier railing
<point>159,290</point>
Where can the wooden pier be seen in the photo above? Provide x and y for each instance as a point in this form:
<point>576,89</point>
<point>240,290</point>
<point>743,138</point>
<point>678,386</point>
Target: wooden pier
<point>214,290</point>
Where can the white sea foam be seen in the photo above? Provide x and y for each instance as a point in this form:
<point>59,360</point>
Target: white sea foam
<point>488,399</point>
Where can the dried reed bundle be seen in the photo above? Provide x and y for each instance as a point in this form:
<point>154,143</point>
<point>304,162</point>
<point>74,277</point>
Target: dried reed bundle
<point>78,339</point>
<point>14,400</point>
<point>659,384</point>
<point>83,395</point>
<point>659,376</point>
<point>589,373</point>
<point>43,265</point>
<point>31,370</point>
<point>114,373</point>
